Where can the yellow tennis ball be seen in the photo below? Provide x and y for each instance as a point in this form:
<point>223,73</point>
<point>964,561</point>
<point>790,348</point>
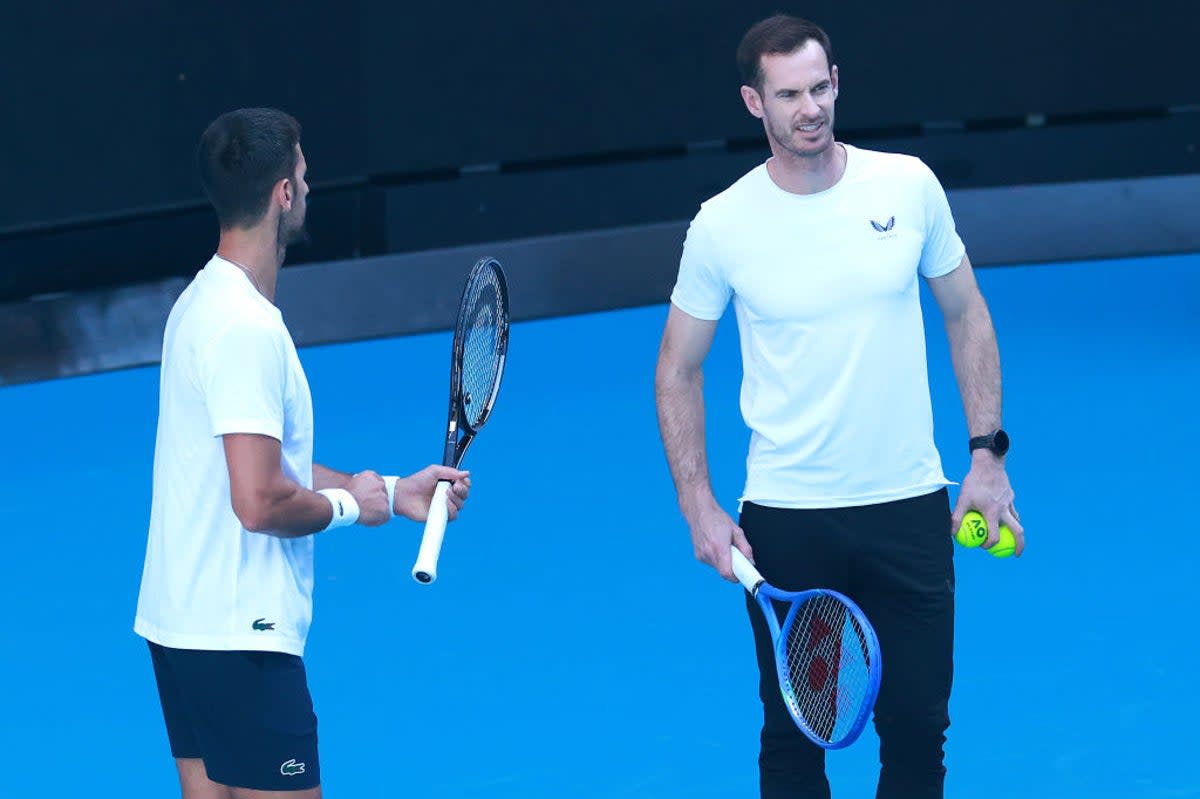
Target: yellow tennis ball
<point>973,532</point>
<point>1006,545</point>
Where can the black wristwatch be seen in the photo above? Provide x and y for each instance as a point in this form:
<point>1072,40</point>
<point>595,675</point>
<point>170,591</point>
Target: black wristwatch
<point>996,441</point>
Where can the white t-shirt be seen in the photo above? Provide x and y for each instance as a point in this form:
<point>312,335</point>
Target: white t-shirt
<point>835,387</point>
<point>228,366</point>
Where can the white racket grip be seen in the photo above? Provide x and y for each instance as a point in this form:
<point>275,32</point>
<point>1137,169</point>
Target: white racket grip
<point>425,569</point>
<point>744,570</point>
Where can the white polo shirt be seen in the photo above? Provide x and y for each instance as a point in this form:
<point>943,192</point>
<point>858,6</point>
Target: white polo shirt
<point>228,366</point>
<point>835,385</point>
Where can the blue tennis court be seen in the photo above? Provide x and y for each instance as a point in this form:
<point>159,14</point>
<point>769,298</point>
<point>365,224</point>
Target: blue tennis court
<point>572,646</point>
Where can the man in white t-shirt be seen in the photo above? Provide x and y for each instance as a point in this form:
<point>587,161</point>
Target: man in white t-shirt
<point>226,594</point>
<point>820,249</point>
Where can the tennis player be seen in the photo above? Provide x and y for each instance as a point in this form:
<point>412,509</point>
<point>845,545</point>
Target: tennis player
<point>226,593</point>
<point>820,249</point>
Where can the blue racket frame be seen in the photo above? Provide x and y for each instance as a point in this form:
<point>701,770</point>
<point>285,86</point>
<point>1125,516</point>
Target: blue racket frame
<point>765,595</point>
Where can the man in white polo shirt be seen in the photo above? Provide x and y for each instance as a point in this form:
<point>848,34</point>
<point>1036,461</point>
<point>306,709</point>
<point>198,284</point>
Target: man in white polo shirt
<point>820,249</point>
<point>226,594</point>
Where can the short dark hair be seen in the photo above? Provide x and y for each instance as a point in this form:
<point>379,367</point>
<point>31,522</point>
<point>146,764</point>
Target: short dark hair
<point>781,34</point>
<point>242,155</point>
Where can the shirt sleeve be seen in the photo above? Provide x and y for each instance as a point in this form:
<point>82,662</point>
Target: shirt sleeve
<point>701,289</point>
<point>943,250</point>
<point>243,375</point>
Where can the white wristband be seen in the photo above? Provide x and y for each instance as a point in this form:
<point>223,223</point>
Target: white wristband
<point>345,508</point>
<point>389,482</point>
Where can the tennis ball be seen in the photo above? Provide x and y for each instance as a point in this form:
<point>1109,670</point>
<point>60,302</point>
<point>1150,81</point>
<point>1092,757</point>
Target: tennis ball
<point>973,532</point>
<point>1006,545</point>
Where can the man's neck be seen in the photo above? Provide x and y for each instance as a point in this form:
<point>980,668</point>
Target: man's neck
<point>257,252</point>
<point>807,174</point>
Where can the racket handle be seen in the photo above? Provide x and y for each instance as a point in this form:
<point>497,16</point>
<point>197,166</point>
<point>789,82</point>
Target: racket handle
<point>744,570</point>
<point>425,570</point>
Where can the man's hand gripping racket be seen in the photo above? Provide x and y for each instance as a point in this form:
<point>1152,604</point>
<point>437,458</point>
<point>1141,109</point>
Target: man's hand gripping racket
<point>476,366</point>
<point>826,655</point>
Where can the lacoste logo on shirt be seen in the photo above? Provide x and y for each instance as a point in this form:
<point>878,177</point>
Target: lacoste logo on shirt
<point>263,624</point>
<point>884,228</point>
<point>291,768</point>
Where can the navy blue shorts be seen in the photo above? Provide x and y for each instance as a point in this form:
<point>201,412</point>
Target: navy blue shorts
<point>248,715</point>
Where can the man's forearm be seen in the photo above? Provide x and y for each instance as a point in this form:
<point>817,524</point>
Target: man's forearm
<point>324,477</point>
<point>680,402</point>
<point>976,360</point>
<point>280,507</point>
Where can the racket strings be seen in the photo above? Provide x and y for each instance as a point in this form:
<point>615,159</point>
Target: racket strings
<point>482,356</point>
<point>829,667</point>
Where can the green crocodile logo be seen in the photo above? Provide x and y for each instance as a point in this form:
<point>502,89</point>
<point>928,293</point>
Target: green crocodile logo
<point>291,768</point>
<point>263,624</point>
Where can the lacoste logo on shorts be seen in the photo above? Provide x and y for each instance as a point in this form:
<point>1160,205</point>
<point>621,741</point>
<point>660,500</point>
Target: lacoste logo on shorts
<point>884,228</point>
<point>263,624</point>
<point>291,768</point>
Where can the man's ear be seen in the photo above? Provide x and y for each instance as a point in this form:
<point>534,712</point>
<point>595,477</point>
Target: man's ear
<point>284,194</point>
<point>753,101</point>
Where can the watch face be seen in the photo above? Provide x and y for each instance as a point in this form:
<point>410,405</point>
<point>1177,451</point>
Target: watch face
<point>1000,442</point>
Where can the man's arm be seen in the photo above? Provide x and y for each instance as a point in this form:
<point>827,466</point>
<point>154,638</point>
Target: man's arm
<point>679,391</point>
<point>976,359</point>
<point>412,494</point>
<point>265,501</point>
<point>324,477</point>
<point>972,346</point>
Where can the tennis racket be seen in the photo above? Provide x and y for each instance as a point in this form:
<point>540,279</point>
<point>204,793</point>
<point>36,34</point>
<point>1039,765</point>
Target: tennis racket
<point>476,366</point>
<point>826,654</point>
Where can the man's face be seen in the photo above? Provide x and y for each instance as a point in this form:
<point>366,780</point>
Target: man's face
<point>796,100</point>
<point>291,221</point>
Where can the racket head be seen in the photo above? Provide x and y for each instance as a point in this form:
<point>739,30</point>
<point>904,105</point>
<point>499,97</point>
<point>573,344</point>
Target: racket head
<point>828,661</point>
<point>480,345</point>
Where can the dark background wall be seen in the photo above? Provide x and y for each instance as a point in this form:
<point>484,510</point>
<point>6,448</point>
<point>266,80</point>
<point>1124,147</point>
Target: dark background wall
<point>108,100</point>
<point>535,80</point>
<point>430,125</point>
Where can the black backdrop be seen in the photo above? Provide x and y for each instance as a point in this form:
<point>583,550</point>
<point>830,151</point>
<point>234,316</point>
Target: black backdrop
<point>104,102</point>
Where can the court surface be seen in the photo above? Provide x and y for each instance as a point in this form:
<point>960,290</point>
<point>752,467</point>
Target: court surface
<point>572,646</point>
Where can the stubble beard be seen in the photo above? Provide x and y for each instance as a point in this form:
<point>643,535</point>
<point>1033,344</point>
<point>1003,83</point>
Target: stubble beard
<point>289,233</point>
<point>784,137</point>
